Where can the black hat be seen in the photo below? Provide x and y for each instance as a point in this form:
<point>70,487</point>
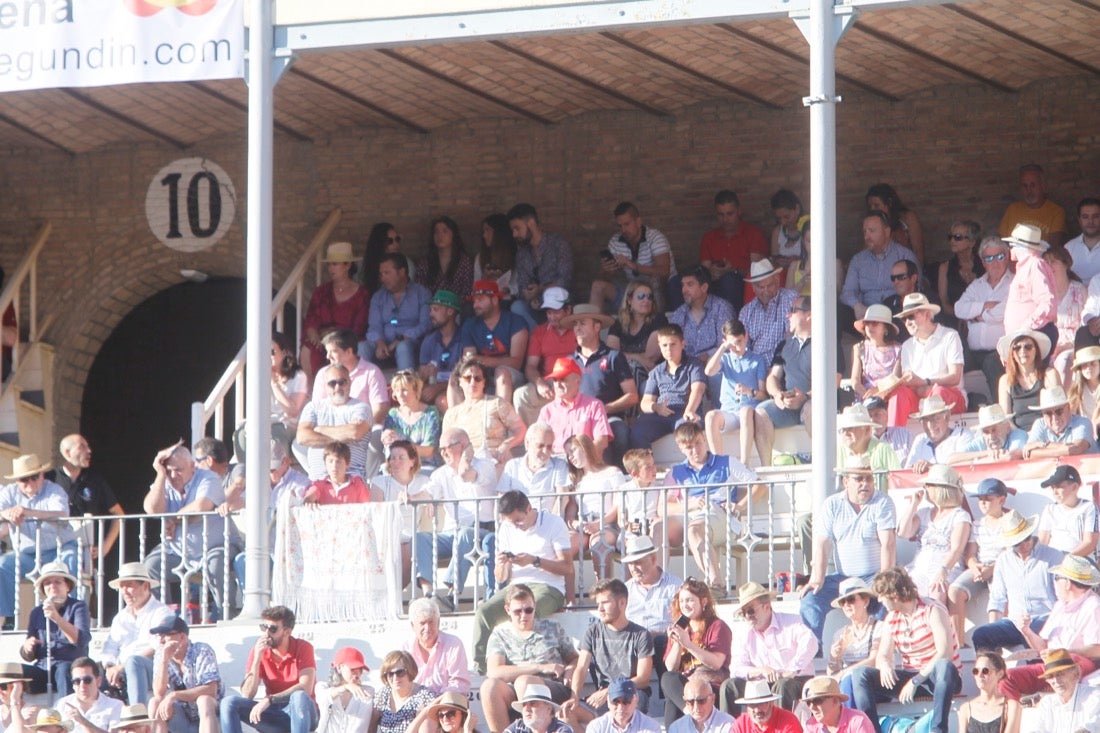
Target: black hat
<point>1061,474</point>
<point>170,625</point>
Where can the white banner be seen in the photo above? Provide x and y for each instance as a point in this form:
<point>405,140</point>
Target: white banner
<point>86,43</point>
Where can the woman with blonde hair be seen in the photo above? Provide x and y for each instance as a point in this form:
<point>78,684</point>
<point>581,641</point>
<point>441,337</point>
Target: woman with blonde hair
<point>942,530</point>
<point>634,332</point>
<point>410,419</point>
<point>1084,388</point>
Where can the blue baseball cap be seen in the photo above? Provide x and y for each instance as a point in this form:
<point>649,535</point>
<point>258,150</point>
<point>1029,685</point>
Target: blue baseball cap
<point>992,487</point>
<point>622,688</point>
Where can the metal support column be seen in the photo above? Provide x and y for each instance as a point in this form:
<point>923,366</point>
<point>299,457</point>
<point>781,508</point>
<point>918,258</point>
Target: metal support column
<point>261,116</point>
<point>823,31</point>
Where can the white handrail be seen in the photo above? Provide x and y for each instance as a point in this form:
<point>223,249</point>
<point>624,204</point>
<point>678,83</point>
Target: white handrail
<point>233,376</point>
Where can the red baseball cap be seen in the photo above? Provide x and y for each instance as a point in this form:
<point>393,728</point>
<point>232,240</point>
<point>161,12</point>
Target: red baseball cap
<point>486,287</point>
<point>350,656</point>
<point>563,367</point>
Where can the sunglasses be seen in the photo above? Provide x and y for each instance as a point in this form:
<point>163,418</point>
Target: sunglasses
<point>696,700</point>
<point>525,611</point>
<point>994,258</point>
<point>394,240</point>
<point>643,296</point>
<point>622,701</point>
<point>393,673</point>
<point>1026,346</point>
<point>85,680</point>
<point>898,278</point>
<point>334,383</point>
<point>447,714</point>
<point>958,237</point>
<point>269,628</point>
<point>473,378</point>
<point>981,671</point>
<point>1055,412</point>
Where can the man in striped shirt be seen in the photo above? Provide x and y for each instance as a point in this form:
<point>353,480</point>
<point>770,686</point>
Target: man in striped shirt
<point>922,632</point>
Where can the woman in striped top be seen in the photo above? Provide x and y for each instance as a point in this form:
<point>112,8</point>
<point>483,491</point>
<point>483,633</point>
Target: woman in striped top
<point>922,633</point>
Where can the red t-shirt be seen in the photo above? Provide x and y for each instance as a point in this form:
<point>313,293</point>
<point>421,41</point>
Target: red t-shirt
<point>781,721</point>
<point>734,250</point>
<point>550,346</point>
<point>282,673</point>
<point>355,492</point>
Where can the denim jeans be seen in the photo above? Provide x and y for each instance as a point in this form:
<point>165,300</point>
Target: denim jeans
<point>298,715</point>
<point>26,564</point>
<point>139,678</point>
<point>457,545</point>
<point>944,682</point>
<point>815,606</point>
<point>1003,634</point>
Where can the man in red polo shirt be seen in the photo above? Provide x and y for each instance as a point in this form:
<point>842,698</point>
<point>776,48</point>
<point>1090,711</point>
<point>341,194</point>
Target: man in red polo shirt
<point>549,342</point>
<point>288,670</point>
<point>730,248</point>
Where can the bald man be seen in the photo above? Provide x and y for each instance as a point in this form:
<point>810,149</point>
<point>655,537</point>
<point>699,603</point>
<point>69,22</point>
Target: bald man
<point>89,492</point>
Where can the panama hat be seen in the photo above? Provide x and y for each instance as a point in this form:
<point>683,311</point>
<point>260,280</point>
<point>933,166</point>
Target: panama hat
<point>1086,355</point>
<point>756,691</point>
<point>49,718</point>
<point>930,406</point>
<point>990,415</point>
<point>940,474</point>
<point>1004,343</point>
<point>876,313</point>
<point>586,310</point>
<point>916,302</point>
<point>339,252</point>
<point>761,270</point>
<point>856,464</point>
<point>27,465</point>
<point>136,714</point>
<point>448,700</point>
<point>1077,569</point>
<point>855,416</point>
<point>1049,398</point>
<point>750,592</point>
<point>852,587</point>
<point>1015,528</point>
<point>820,687</point>
<point>54,570</point>
<point>1027,235</point>
<point>637,547</point>
<point>12,672</point>
<point>133,571</point>
<point>535,693</point>
<point>1055,661</point>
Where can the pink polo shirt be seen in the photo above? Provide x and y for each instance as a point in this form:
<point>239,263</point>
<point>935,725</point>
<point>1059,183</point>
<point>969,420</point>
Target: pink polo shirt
<point>787,645</point>
<point>1030,301</point>
<point>444,668</point>
<point>851,721</point>
<point>1073,625</point>
<point>586,416</point>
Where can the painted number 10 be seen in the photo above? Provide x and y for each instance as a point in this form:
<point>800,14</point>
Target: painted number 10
<point>194,209</point>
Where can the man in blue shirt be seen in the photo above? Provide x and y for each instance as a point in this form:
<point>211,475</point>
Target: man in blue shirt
<point>673,392</point>
<point>440,350</point>
<point>398,315</point>
<point>868,279</point>
<point>498,339</point>
<point>788,383</point>
<point>1058,432</point>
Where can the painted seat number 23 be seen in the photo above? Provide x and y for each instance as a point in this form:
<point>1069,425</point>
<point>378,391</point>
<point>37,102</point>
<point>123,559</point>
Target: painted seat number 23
<point>190,204</point>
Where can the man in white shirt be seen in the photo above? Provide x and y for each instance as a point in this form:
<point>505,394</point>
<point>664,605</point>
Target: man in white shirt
<point>128,650</point>
<point>1074,706</point>
<point>982,309</point>
<point>940,439</point>
<point>1083,248</point>
<point>537,472</point>
<point>623,715</point>
<point>89,709</point>
<point>702,716</point>
<point>931,361</point>
<point>534,548</point>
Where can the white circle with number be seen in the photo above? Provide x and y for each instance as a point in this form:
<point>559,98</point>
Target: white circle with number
<point>190,204</point>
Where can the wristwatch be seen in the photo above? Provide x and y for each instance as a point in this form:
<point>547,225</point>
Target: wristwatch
<point>537,562</point>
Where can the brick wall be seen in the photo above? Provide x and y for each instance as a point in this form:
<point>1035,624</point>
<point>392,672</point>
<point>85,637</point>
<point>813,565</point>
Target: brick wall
<point>949,152</point>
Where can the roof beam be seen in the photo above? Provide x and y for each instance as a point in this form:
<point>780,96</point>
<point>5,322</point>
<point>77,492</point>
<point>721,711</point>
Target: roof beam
<point>27,130</point>
<point>1086,4</point>
<point>1020,38</point>
<point>637,48</point>
<point>930,58</point>
<point>427,70</point>
<point>788,54</point>
<point>242,107</point>
<point>124,119</point>
<point>356,99</point>
<point>594,85</point>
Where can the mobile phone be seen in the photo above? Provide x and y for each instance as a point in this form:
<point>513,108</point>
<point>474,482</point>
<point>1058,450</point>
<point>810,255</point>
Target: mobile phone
<point>683,621</point>
<point>509,555</point>
<point>605,254</point>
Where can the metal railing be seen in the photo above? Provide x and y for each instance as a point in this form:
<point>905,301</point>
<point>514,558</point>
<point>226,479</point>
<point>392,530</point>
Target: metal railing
<point>205,589</point>
<point>26,274</point>
<point>232,379</point>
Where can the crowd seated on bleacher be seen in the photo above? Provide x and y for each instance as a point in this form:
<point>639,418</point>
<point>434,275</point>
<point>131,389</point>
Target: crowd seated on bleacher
<point>540,434</point>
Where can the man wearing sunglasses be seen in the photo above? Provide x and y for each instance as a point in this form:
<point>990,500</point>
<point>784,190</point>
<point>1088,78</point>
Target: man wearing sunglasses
<point>90,710</point>
<point>288,670</point>
<point>701,714</point>
<point>982,309</point>
<point>335,417</point>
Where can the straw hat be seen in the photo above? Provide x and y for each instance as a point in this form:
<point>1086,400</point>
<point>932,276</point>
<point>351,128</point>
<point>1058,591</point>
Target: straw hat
<point>1049,398</point>
<point>820,687</point>
<point>54,570</point>
<point>852,587</point>
<point>1027,235</point>
<point>855,416</point>
<point>756,691</point>
<point>876,313</point>
<point>637,547</point>
<point>1086,355</point>
<point>916,302</point>
<point>587,310</point>
<point>1004,343</point>
<point>50,718</point>
<point>448,700</point>
<point>535,693</point>
<point>750,592</point>
<point>27,465</point>
<point>1015,528</point>
<point>1077,569</point>
<point>339,252</point>
<point>930,406</point>
<point>856,464</point>
<point>990,415</point>
<point>133,571</point>
<point>12,672</point>
<point>940,474</point>
<point>761,270</point>
<point>136,714</point>
<point>1055,661</point>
